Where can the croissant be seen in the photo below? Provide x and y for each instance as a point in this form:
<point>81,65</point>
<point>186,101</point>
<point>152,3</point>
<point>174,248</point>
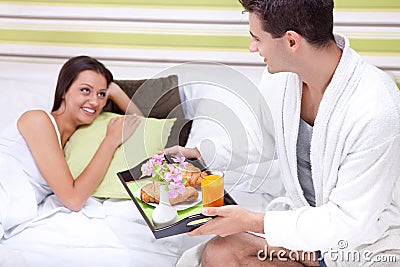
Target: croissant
<point>150,193</point>
<point>193,175</point>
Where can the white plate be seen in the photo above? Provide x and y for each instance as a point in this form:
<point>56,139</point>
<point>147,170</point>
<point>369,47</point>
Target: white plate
<point>180,206</point>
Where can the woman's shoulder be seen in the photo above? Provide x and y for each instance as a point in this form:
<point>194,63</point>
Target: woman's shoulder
<point>34,114</point>
<point>37,118</point>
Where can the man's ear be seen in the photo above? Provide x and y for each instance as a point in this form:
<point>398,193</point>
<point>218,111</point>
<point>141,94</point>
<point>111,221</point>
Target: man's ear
<point>293,39</point>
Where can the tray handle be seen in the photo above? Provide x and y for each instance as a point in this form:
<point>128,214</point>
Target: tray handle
<point>183,226</point>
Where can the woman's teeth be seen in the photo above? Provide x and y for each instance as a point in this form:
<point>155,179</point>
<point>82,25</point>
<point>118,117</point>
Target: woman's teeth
<point>89,110</point>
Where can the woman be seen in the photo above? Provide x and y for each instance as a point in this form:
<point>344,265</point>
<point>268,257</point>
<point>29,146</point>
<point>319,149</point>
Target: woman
<point>32,164</point>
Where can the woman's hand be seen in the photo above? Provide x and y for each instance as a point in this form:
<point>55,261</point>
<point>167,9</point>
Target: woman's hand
<point>231,219</point>
<point>121,99</point>
<point>113,91</point>
<point>121,128</point>
<point>179,151</point>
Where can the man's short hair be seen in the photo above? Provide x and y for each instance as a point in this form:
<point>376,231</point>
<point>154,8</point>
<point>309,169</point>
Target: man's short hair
<point>312,19</point>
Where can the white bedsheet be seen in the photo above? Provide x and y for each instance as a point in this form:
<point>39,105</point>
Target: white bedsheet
<point>103,233</point>
<point>109,233</point>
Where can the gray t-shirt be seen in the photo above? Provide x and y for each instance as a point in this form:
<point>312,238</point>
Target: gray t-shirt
<point>303,161</point>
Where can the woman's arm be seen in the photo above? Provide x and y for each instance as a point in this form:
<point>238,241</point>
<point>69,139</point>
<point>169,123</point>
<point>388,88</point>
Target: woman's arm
<point>120,98</point>
<point>40,135</point>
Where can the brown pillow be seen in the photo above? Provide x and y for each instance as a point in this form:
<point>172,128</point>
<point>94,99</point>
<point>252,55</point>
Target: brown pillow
<point>157,98</point>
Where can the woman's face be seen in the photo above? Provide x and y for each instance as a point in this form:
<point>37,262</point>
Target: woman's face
<point>86,97</point>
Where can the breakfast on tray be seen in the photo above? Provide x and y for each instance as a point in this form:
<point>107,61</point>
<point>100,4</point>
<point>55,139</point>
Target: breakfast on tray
<point>150,193</point>
<point>193,175</point>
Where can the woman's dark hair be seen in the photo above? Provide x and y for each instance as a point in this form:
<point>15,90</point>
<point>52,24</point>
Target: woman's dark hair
<point>70,71</point>
<point>312,19</point>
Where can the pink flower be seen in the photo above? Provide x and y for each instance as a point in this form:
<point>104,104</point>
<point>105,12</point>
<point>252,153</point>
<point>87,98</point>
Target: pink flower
<point>174,189</point>
<point>181,161</point>
<point>159,159</point>
<point>174,174</point>
<point>159,170</point>
<point>148,168</point>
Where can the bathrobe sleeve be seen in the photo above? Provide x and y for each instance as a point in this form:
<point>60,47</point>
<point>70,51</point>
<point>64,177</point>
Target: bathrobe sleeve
<point>351,215</point>
<point>356,167</point>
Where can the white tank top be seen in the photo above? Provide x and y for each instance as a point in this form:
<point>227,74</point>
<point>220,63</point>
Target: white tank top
<point>14,147</point>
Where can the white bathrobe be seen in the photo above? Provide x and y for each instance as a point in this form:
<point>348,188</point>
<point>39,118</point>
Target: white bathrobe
<point>355,153</point>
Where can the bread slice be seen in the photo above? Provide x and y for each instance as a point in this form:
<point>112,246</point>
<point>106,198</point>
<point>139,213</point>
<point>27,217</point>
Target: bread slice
<point>150,193</point>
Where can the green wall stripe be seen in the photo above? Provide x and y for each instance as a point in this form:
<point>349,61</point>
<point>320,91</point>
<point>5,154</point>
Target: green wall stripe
<point>367,5</point>
<point>391,46</point>
<point>109,39</point>
<point>179,4</point>
<point>340,5</point>
<point>169,41</point>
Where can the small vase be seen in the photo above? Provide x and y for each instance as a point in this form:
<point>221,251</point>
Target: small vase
<point>164,214</point>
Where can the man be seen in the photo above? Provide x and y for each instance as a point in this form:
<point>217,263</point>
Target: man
<point>337,129</point>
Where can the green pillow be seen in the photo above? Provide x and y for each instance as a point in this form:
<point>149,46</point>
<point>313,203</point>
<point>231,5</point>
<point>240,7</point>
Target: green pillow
<point>150,137</point>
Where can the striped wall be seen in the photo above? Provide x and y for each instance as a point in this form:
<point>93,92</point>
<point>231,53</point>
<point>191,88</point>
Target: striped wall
<point>139,38</point>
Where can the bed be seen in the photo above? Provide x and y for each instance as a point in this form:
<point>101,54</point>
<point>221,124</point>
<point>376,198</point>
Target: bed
<point>111,231</point>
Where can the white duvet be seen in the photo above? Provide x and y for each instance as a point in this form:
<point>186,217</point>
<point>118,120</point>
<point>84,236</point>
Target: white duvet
<point>109,233</point>
<point>103,233</point>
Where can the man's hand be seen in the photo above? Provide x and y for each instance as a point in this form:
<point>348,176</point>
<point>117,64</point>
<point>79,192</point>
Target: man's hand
<point>179,151</point>
<point>231,219</point>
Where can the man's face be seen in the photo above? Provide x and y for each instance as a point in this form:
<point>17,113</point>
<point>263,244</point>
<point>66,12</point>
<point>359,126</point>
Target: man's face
<point>271,49</point>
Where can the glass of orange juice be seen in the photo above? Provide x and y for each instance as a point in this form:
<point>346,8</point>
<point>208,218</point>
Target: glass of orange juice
<point>212,189</point>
